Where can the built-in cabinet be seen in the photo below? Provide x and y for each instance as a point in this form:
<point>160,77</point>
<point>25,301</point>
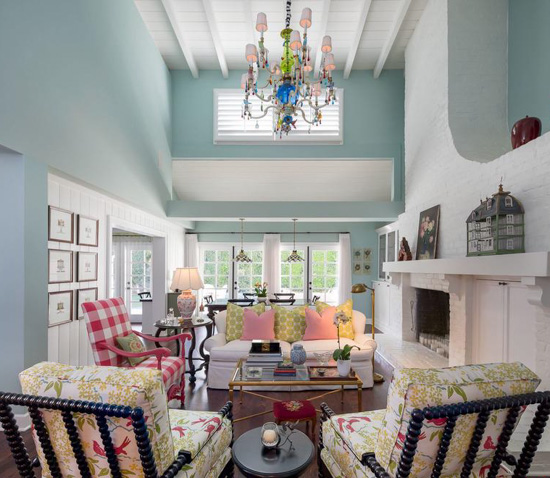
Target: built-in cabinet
<point>386,318</point>
<point>504,323</point>
<point>388,247</point>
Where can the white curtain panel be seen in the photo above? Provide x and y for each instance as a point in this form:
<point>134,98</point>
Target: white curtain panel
<point>344,268</point>
<point>191,250</point>
<point>272,262</point>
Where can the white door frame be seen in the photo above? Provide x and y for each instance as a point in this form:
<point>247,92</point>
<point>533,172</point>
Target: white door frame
<point>159,264</point>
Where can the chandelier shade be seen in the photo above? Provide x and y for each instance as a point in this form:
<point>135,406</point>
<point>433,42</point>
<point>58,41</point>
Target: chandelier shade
<point>288,92</point>
<point>294,256</point>
<point>241,256</point>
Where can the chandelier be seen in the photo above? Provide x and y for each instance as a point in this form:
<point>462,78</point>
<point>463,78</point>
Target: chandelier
<point>292,90</point>
<point>241,256</point>
<point>294,256</point>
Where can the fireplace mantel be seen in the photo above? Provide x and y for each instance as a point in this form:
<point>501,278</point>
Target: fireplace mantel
<point>531,264</point>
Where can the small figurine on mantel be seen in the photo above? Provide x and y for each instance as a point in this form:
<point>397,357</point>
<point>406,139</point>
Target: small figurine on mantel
<point>404,251</point>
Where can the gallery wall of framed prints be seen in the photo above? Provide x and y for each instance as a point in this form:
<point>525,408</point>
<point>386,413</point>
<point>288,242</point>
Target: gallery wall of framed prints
<point>72,264</point>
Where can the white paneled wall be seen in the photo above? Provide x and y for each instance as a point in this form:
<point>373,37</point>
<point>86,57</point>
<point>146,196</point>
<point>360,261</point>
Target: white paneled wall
<point>68,343</point>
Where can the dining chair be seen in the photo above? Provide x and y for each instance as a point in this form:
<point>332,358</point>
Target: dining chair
<point>284,295</point>
<point>144,295</point>
<point>282,301</point>
<point>249,295</point>
<point>315,298</point>
<point>108,319</point>
<point>242,302</point>
<point>209,299</point>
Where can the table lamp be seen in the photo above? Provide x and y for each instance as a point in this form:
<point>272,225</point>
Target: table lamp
<point>359,289</point>
<point>186,279</point>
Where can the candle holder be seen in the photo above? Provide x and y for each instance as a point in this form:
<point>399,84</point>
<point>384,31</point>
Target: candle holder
<point>270,435</point>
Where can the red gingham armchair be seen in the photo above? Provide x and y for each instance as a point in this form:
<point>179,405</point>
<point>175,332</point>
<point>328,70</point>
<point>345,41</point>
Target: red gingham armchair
<point>108,319</point>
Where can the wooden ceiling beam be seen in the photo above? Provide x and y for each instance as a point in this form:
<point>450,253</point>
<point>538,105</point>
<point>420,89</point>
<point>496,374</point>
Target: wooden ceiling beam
<point>187,53</point>
<point>209,11</point>
<point>396,26</point>
<point>358,34</point>
<point>322,33</point>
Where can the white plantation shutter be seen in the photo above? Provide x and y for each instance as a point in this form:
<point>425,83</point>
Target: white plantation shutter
<point>230,127</point>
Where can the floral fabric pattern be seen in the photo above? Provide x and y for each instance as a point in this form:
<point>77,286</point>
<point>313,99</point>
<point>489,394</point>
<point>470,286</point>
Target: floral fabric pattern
<point>235,317</point>
<point>346,330</point>
<point>290,324</point>
<point>193,432</point>
<point>204,434</point>
<point>338,458</point>
<point>418,388</point>
<point>136,388</point>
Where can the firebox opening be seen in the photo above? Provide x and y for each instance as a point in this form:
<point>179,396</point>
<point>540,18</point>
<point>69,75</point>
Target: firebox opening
<point>432,320</point>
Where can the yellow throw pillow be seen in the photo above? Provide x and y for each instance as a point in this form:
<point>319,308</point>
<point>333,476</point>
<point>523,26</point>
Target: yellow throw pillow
<point>290,324</point>
<point>346,330</point>
<point>235,317</point>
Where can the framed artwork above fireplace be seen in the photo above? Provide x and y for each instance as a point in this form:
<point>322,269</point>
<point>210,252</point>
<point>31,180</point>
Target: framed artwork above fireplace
<point>428,230</point>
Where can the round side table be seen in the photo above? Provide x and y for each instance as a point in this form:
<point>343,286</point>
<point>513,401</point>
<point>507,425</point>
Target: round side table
<point>255,461</point>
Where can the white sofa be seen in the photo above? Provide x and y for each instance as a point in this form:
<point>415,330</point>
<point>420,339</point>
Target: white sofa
<point>225,355</point>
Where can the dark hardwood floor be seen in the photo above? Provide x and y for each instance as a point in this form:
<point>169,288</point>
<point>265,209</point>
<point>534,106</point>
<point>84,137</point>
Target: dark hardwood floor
<point>200,397</point>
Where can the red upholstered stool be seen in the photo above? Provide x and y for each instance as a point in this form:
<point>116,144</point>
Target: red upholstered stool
<point>296,410</point>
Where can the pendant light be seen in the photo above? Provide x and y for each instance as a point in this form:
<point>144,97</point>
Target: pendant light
<point>241,256</point>
<point>294,256</point>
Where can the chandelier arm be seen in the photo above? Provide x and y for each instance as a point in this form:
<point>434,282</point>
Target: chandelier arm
<point>265,113</point>
<point>264,99</point>
<point>311,105</point>
<point>304,116</point>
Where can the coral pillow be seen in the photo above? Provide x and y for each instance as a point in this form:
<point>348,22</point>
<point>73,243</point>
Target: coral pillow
<point>258,327</point>
<point>320,326</point>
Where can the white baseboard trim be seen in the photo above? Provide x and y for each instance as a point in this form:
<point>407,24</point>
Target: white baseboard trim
<point>23,422</point>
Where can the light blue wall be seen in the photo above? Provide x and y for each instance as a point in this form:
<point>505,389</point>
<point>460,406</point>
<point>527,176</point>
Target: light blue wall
<point>363,234</point>
<point>373,120</point>
<point>84,90</point>
<point>23,266</point>
<point>528,65</point>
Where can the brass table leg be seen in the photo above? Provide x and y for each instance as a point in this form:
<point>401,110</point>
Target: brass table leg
<point>231,393</point>
<point>359,397</point>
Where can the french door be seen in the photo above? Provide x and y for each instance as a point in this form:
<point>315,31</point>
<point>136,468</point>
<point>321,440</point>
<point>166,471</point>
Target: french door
<point>138,264</point>
<point>225,279</point>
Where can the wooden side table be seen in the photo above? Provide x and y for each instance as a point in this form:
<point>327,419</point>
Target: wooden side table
<point>189,326</point>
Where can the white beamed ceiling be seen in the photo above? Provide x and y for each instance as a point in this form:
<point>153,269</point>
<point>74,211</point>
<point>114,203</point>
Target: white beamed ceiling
<point>234,22</point>
<point>283,180</point>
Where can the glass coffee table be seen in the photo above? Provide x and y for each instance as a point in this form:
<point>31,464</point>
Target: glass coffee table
<point>242,377</point>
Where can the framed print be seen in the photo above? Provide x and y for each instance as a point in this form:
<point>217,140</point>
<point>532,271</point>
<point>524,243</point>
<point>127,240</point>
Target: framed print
<point>357,268</point>
<point>366,268</point>
<point>60,225</point>
<point>87,231</point>
<point>60,266</point>
<point>428,227</point>
<point>60,307</point>
<point>86,266</point>
<point>357,254</point>
<point>84,295</point>
<point>367,254</point>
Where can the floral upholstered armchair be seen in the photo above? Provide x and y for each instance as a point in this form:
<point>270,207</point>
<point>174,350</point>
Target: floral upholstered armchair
<point>448,422</point>
<point>107,320</point>
<point>109,421</point>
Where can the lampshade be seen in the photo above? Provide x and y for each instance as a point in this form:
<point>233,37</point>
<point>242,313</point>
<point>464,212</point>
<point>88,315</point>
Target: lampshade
<point>326,46</point>
<point>305,21</point>
<point>316,89</point>
<point>295,40</point>
<point>261,22</point>
<point>358,288</point>
<point>186,278</point>
<point>244,79</point>
<point>251,53</point>
<point>329,62</point>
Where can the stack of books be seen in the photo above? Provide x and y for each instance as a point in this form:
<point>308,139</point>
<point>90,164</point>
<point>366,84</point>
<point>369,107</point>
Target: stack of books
<point>265,354</point>
<point>285,369</point>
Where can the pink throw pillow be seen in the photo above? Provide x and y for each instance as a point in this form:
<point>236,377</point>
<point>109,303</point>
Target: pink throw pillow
<point>258,327</point>
<point>320,327</point>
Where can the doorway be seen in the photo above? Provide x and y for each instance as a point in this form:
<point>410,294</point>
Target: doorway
<point>132,270</point>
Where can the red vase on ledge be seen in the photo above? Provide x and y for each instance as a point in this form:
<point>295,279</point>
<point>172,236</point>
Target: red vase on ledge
<point>525,130</point>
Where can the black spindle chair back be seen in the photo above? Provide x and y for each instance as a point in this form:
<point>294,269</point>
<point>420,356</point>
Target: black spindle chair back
<point>481,408</point>
<point>282,301</point>
<point>101,411</point>
<point>284,295</point>
<point>242,302</point>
